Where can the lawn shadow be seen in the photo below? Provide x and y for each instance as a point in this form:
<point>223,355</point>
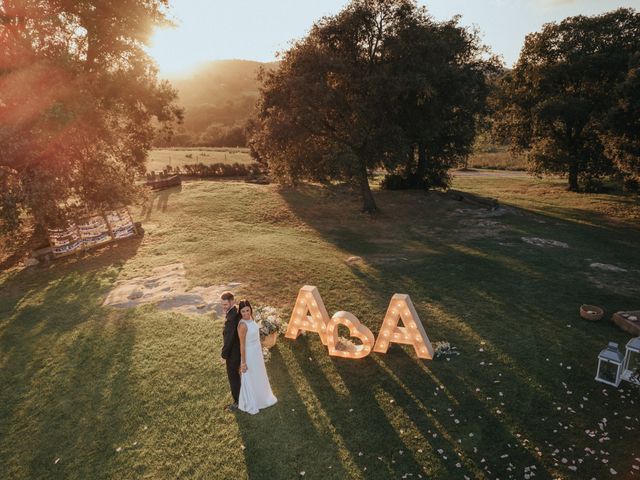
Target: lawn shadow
<point>267,437</point>
<point>389,415</point>
<point>66,388</point>
<point>503,303</point>
<point>161,200</point>
<point>113,254</point>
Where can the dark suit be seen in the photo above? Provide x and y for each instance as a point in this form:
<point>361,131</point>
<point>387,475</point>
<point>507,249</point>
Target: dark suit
<point>231,351</point>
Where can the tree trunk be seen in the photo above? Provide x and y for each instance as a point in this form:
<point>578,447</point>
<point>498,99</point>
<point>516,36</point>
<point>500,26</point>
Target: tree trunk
<point>573,158</point>
<point>573,176</point>
<point>368,203</point>
<point>422,161</point>
<point>416,179</point>
<point>410,163</point>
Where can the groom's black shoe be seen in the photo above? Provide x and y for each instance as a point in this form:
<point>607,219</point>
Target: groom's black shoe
<point>232,407</point>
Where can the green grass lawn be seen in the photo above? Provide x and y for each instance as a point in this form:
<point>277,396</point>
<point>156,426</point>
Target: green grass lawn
<point>90,392</point>
<point>177,157</point>
<point>500,160</point>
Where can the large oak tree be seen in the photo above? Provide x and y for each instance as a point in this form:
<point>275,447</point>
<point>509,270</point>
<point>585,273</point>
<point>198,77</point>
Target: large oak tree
<point>444,70</point>
<point>569,101</point>
<point>79,103</point>
<point>365,90</point>
<point>324,113</point>
<point>621,136</point>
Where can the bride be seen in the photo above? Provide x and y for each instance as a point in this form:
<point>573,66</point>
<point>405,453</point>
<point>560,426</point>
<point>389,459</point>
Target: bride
<point>255,391</point>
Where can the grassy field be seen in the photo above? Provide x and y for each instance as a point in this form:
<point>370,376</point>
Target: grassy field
<point>177,157</point>
<point>94,392</point>
<point>160,158</point>
<point>499,160</point>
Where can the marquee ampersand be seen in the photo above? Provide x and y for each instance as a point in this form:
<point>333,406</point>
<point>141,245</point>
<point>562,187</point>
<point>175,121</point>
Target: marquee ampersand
<point>356,329</point>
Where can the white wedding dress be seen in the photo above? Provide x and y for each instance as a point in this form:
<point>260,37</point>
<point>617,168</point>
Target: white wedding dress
<point>255,391</point>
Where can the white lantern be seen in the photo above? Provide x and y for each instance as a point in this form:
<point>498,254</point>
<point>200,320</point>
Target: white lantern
<point>632,361</point>
<point>610,365</point>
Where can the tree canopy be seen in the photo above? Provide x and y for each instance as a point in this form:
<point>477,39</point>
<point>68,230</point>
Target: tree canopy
<point>363,89</point>
<point>571,102</point>
<point>79,103</point>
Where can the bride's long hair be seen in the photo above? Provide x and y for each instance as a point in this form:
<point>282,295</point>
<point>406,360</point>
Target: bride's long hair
<point>244,303</point>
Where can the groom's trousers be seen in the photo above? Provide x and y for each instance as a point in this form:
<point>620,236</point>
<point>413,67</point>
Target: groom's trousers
<point>233,372</point>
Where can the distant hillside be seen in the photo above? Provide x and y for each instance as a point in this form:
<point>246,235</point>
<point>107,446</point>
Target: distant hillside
<point>218,98</point>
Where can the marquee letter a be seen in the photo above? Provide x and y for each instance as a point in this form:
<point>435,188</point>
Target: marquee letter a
<point>309,314</point>
<point>413,333</point>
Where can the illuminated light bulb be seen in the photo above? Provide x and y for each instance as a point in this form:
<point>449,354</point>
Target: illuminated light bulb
<point>418,337</point>
<point>396,335</point>
<point>406,312</point>
<point>300,311</point>
<point>314,303</point>
<point>393,311</point>
<point>386,334</point>
<point>324,327</point>
<point>318,315</point>
<point>390,322</point>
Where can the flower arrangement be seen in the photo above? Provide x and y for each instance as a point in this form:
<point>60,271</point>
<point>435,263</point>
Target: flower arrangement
<point>271,325</point>
<point>444,349</point>
<point>269,321</point>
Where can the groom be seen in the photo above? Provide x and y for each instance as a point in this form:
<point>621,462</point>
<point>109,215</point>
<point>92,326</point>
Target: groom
<point>231,347</point>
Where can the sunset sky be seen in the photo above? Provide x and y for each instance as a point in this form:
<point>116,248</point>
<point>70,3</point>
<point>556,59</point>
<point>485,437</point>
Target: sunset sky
<point>257,29</point>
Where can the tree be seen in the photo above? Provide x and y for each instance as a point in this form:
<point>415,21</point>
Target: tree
<point>368,88</point>
<point>444,70</point>
<point>79,102</point>
<point>326,111</point>
<point>622,126</point>
<point>558,96</point>
<point>223,136</point>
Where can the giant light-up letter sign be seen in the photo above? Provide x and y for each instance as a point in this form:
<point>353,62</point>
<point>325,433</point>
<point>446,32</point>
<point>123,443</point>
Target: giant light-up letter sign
<point>356,329</point>
<point>310,314</point>
<point>401,307</point>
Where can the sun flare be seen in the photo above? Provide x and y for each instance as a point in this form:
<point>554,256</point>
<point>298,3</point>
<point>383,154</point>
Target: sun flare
<point>174,50</point>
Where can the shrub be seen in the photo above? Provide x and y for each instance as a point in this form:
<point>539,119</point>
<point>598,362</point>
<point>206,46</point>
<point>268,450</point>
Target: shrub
<point>221,170</point>
<point>631,184</point>
<point>393,181</point>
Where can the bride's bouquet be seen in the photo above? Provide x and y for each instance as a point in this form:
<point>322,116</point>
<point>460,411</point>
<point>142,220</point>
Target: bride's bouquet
<point>271,325</point>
